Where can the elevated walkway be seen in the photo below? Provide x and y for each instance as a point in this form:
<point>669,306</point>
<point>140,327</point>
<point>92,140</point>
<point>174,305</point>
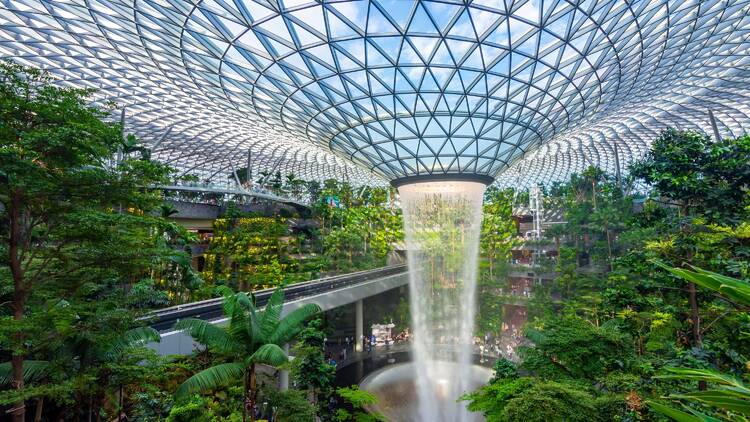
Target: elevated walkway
<point>328,293</point>
<point>224,190</point>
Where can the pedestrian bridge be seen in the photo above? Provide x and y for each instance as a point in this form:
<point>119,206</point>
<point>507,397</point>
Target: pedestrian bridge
<point>328,293</point>
<point>227,190</point>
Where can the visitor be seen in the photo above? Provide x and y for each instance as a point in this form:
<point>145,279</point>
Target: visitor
<point>347,341</point>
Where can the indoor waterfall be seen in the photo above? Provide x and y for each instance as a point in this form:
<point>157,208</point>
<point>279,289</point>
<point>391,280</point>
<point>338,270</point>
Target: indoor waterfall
<point>442,221</point>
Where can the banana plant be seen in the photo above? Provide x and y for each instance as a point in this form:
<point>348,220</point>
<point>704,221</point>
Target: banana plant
<point>252,337</point>
<point>727,393</point>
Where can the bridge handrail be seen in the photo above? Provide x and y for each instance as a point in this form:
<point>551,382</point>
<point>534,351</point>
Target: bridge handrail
<point>231,190</point>
<point>160,317</point>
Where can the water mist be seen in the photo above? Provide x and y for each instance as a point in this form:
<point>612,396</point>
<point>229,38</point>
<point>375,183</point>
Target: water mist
<point>442,222</point>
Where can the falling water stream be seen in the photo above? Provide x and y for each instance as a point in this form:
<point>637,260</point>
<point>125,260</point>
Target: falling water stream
<point>442,221</point>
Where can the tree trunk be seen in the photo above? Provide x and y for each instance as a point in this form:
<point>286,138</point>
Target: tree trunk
<point>609,244</point>
<point>694,308</point>
<point>252,391</point>
<point>695,316</point>
<point>697,339</point>
<point>244,404</point>
<point>121,404</point>
<point>20,295</point>
<point>39,409</point>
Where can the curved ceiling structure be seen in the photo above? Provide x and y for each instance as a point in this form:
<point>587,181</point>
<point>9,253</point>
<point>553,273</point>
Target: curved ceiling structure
<point>525,91</point>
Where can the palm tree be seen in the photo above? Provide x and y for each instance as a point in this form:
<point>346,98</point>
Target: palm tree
<point>252,337</point>
<point>167,210</point>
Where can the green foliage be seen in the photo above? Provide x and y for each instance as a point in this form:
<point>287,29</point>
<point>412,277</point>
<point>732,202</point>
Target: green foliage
<point>356,402</point>
<point>735,290</point>
<point>290,405</point>
<point>571,347</point>
<point>551,401</point>
<point>707,177</point>
<point>497,239</point>
<point>252,337</point>
<point>189,411</point>
<point>361,232</point>
<point>730,394</point>
<point>218,408</point>
<point>492,399</point>
<point>79,227</point>
<point>310,370</point>
<point>249,253</point>
<point>526,399</point>
<point>504,369</point>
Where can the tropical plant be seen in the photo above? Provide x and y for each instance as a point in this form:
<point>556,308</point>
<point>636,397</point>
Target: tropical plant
<point>571,347</point>
<point>167,210</point>
<point>289,405</point>
<point>727,393</point>
<point>251,337</point>
<point>356,402</point>
<point>504,368</point>
<point>103,356</point>
<point>76,209</point>
<point>310,370</point>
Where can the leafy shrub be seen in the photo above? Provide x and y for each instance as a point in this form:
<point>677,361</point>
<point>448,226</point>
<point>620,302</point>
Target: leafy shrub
<point>492,399</point>
<point>290,405</point>
<point>550,401</point>
<point>610,407</point>
<point>356,402</point>
<point>571,347</point>
<point>504,369</point>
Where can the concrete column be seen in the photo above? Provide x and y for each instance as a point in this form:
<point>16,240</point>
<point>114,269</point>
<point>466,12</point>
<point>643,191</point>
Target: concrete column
<point>284,375</point>
<point>358,326</point>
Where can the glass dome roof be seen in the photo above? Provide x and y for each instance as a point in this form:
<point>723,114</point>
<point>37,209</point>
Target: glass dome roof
<point>525,91</point>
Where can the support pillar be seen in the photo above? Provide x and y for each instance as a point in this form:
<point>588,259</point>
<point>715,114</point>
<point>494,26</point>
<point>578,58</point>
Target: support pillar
<point>358,325</point>
<point>617,169</point>
<point>714,126</point>
<point>283,374</point>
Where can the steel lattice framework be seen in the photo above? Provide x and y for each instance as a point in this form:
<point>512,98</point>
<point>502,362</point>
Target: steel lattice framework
<point>525,91</point>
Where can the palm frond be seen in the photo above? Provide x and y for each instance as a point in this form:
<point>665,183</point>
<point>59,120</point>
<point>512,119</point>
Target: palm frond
<point>269,354</point>
<point>208,334</point>
<point>224,291</point>
<point>244,300</point>
<point>732,288</point>
<point>708,376</point>
<point>138,336</point>
<point>679,415</point>
<point>229,305</point>
<point>253,324</point>
<point>270,317</point>
<point>292,324</point>
<point>235,309</point>
<point>33,370</point>
<point>210,378</point>
<point>722,399</point>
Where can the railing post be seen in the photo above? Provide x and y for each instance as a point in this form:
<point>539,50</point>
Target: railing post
<point>358,326</point>
<point>283,374</point>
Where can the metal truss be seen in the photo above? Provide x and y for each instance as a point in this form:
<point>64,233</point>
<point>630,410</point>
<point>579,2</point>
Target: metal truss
<point>526,91</point>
